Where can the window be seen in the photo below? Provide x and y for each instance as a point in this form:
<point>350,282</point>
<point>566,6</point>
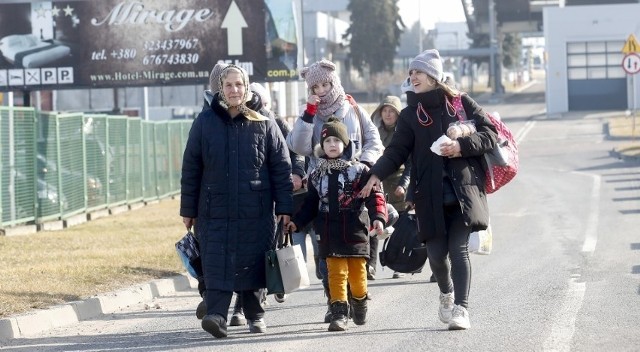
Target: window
<point>595,60</point>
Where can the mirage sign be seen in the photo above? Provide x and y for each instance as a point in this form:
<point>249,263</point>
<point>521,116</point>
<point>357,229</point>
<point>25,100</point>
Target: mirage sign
<point>119,43</point>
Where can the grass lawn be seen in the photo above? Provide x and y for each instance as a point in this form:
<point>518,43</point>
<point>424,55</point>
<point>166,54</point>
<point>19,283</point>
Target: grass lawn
<point>104,255</point>
<point>622,127</point>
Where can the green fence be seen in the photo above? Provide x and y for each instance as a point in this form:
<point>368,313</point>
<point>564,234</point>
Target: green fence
<point>57,165</point>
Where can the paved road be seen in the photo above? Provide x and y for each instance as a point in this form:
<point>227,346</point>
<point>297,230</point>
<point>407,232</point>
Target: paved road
<point>563,275</point>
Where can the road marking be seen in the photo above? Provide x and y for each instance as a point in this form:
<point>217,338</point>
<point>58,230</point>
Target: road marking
<point>591,232</point>
<point>524,131</point>
<point>564,323</point>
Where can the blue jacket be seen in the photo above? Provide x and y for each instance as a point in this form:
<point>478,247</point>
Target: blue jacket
<point>235,178</point>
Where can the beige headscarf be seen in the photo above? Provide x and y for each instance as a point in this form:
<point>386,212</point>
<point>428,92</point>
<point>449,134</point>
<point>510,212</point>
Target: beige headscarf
<point>244,110</point>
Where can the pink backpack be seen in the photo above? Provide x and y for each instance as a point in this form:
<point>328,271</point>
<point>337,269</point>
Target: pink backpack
<point>502,160</point>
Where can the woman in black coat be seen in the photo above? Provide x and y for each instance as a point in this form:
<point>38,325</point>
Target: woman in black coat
<point>235,180</point>
<point>448,189</point>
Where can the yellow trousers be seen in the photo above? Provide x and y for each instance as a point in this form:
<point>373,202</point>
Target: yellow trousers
<point>343,270</point>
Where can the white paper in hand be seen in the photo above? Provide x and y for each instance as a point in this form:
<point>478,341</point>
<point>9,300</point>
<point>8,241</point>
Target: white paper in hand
<point>435,147</point>
<point>384,235</point>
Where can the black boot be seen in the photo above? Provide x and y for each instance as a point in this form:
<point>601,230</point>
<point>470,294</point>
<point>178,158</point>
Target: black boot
<point>201,310</point>
<point>327,315</point>
<point>316,260</point>
<point>339,312</point>
<point>238,319</point>
<point>359,310</point>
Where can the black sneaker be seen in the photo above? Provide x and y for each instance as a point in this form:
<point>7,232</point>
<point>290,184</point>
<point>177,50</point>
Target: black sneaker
<point>215,325</point>
<point>280,297</point>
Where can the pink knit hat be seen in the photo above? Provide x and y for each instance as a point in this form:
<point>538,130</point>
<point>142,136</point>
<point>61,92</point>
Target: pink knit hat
<point>320,72</point>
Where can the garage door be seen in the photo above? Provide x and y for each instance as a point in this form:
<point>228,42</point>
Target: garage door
<point>596,78</point>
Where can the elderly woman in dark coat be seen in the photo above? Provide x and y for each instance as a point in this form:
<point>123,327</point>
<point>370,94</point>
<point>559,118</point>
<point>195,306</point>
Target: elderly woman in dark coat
<point>236,183</point>
<point>448,187</point>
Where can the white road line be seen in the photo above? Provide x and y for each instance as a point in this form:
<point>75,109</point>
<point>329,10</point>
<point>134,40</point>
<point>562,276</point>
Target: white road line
<point>564,323</point>
<point>591,231</point>
<point>524,131</point>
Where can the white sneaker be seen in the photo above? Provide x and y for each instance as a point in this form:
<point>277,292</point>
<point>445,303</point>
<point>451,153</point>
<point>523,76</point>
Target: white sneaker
<point>397,275</point>
<point>446,306</point>
<point>459,319</point>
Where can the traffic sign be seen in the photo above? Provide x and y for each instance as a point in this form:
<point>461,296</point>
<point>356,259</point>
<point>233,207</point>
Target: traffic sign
<point>631,63</point>
<point>631,45</point>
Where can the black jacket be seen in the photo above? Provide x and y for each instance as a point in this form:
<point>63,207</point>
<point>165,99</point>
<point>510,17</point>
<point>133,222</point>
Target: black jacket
<point>467,172</point>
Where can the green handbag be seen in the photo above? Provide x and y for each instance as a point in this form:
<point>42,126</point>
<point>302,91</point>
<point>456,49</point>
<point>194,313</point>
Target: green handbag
<point>272,267</point>
<point>274,278</point>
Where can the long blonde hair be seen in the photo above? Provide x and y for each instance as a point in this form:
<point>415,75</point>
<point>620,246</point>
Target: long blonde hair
<point>448,87</point>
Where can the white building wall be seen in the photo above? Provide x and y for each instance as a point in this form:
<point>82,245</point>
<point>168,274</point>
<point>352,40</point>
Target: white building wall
<point>581,23</point>
<point>451,35</point>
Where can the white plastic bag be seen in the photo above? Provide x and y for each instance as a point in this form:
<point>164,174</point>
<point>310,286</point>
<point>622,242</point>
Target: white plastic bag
<point>481,242</point>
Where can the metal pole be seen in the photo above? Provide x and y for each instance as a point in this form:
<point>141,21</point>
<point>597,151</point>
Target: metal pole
<point>493,44</point>
<point>419,26</point>
<point>12,159</point>
<point>633,107</point>
<point>145,98</point>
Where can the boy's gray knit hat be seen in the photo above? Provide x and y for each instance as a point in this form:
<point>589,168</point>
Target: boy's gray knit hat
<point>430,63</point>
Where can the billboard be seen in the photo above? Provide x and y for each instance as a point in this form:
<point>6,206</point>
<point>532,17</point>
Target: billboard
<point>120,43</point>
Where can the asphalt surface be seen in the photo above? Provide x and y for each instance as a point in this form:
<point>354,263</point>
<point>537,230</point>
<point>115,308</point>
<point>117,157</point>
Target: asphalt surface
<point>564,273</point>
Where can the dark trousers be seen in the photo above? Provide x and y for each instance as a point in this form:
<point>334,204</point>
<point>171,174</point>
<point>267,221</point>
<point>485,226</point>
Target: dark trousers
<point>374,241</point>
<point>218,302</point>
<point>373,252</point>
<point>449,256</point>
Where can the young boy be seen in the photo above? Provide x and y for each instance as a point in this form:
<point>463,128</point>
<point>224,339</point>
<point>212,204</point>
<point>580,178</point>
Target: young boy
<point>342,221</point>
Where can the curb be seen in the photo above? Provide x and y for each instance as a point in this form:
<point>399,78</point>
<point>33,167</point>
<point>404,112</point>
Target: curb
<point>622,156</point>
<point>33,323</point>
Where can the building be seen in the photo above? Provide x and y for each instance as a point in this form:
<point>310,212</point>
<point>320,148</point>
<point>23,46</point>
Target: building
<point>584,57</point>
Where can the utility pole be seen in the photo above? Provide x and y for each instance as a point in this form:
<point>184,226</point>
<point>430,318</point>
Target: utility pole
<point>419,26</point>
<point>495,57</point>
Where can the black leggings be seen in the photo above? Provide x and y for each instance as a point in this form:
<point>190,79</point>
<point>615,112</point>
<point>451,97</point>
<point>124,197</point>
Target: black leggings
<point>453,272</point>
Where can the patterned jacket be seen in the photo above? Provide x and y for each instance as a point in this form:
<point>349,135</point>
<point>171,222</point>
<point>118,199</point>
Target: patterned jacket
<point>341,219</point>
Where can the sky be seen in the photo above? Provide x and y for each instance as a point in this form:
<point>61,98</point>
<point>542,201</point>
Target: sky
<point>431,11</point>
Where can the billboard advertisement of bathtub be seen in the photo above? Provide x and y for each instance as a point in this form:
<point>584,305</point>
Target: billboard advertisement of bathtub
<point>120,43</point>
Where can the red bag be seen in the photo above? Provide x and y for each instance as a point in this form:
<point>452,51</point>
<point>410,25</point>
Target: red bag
<point>502,160</point>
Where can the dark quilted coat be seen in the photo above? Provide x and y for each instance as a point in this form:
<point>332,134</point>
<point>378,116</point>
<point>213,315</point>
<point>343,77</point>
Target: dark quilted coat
<point>235,176</point>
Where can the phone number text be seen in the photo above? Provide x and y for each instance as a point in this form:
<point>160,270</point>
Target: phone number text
<point>171,59</point>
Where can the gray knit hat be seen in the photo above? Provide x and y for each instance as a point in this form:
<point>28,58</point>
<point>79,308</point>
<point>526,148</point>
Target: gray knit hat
<point>428,62</point>
<point>262,91</point>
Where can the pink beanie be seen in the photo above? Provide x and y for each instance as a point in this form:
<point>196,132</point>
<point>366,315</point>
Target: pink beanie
<point>320,72</point>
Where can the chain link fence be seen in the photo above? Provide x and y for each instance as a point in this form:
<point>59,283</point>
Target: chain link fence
<point>57,165</point>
